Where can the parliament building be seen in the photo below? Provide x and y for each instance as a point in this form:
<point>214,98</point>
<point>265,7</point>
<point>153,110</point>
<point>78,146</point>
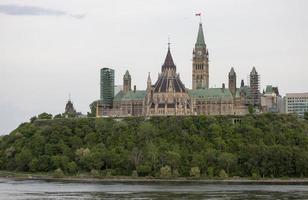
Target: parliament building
<point>168,95</point>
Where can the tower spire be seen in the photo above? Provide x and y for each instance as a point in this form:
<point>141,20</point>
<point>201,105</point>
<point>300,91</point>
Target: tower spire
<point>200,38</point>
<point>168,64</point>
<point>169,42</point>
<point>200,75</point>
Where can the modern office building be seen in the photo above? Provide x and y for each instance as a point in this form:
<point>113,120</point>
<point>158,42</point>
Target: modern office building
<point>106,87</point>
<point>297,103</point>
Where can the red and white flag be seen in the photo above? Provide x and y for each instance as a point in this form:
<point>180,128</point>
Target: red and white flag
<point>198,14</point>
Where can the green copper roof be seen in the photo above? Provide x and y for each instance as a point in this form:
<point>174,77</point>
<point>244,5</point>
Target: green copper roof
<point>118,96</point>
<point>210,93</point>
<point>137,95</point>
<point>200,39</point>
<point>244,90</point>
<point>269,89</point>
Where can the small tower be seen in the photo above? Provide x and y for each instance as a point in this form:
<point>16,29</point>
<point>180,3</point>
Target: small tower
<point>232,81</point>
<point>69,107</point>
<point>242,83</point>
<point>200,66</point>
<point>127,82</point>
<point>149,83</point>
<point>255,88</point>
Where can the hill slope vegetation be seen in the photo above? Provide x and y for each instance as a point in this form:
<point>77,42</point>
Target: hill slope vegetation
<point>265,145</point>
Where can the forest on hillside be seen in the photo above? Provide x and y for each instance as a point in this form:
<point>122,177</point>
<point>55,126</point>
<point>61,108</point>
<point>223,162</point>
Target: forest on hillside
<point>256,146</point>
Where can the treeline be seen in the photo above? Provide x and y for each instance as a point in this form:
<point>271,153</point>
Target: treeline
<point>256,146</point>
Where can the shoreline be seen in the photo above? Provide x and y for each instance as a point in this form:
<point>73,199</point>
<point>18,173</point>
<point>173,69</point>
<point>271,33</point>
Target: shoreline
<point>138,180</point>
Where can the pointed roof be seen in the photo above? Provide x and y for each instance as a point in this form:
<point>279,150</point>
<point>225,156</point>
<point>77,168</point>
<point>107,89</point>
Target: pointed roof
<point>232,72</point>
<point>149,77</point>
<point>168,64</point>
<point>200,38</point>
<point>127,75</point>
<point>253,71</point>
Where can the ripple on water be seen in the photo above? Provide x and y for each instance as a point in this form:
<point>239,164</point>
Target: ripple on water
<point>24,190</point>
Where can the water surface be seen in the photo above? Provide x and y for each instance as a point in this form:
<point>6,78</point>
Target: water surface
<point>34,189</point>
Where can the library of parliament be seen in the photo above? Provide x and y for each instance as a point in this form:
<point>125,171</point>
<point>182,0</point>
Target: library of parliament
<point>168,95</point>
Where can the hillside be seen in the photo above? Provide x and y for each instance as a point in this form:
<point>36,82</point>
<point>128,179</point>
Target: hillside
<point>265,145</point>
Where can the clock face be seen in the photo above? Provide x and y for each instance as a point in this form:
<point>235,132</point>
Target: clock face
<point>199,53</point>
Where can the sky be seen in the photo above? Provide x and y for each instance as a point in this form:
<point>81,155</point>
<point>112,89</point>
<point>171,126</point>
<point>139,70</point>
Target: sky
<point>52,48</point>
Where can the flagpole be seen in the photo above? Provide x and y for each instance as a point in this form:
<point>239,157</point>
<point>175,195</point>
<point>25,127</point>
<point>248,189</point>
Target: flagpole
<point>200,17</point>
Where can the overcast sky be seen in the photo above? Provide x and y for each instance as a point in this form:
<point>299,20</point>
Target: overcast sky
<point>50,48</point>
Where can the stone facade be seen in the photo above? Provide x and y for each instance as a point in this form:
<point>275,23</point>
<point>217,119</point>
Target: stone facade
<point>168,95</point>
<point>200,65</point>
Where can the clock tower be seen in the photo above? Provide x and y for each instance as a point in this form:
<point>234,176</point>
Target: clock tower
<point>200,65</point>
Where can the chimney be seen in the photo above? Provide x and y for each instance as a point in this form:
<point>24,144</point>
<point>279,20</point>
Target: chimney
<point>223,87</point>
<point>242,83</point>
<point>134,88</point>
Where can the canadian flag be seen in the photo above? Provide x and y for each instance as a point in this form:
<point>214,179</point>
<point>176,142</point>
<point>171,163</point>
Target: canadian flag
<point>198,14</point>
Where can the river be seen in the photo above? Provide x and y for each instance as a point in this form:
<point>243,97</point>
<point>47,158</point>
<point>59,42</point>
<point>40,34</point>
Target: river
<point>36,189</point>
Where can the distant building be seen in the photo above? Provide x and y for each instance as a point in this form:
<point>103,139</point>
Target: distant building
<point>70,111</point>
<point>271,101</point>
<point>297,103</point>
<point>69,108</point>
<point>106,87</point>
<point>255,95</point>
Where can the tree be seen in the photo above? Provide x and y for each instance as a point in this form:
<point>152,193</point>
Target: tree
<point>165,172</point>
<point>45,116</point>
<point>265,145</point>
<point>306,115</point>
<point>58,173</point>
<point>23,160</point>
<point>93,106</point>
<point>32,119</point>
<point>144,169</point>
<point>251,109</point>
<point>72,167</point>
<point>227,161</point>
<point>195,172</point>
<point>58,116</point>
<point>223,174</point>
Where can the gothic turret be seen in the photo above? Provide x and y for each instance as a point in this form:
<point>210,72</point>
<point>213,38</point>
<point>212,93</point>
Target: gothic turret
<point>127,82</point>
<point>232,81</point>
<point>200,66</point>
<point>69,108</point>
<point>149,83</point>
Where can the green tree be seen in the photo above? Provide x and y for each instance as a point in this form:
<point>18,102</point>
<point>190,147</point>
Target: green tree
<point>72,167</point>
<point>227,161</point>
<point>223,174</point>
<point>306,115</point>
<point>58,116</point>
<point>93,106</point>
<point>251,109</point>
<point>58,173</point>
<point>195,172</point>
<point>45,116</point>
<point>165,172</point>
<point>23,160</point>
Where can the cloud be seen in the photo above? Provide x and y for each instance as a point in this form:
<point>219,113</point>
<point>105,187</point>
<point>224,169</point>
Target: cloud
<point>11,9</point>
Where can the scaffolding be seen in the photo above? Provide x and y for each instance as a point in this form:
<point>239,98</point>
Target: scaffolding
<point>255,95</point>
